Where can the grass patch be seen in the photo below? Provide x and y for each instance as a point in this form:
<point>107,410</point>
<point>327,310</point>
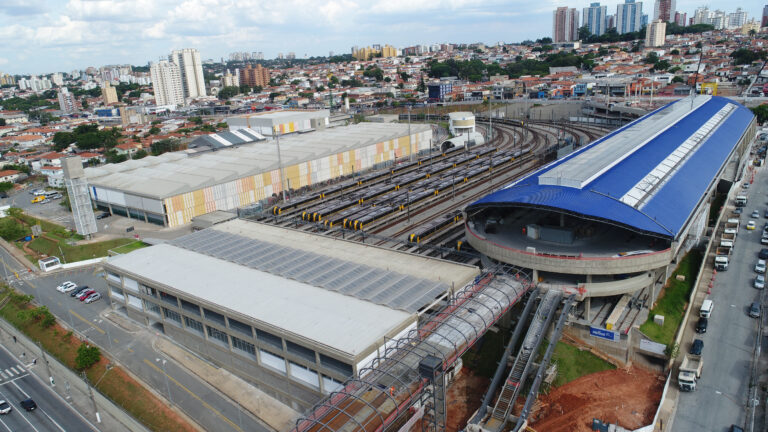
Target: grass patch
<point>112,381</point>
<point>673,299</point>
<point>573,362</point>
<point>44,246</point>
<point>128,247</point>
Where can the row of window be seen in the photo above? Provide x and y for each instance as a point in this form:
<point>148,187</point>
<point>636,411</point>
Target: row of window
<point>262,336</point>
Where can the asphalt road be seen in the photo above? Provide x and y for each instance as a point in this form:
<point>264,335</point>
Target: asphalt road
<point>50,210</point>
<point>52,413</point>
<point>134,350</point>
<point>722,393</point>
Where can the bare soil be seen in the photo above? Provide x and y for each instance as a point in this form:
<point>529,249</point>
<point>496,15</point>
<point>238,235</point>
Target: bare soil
<point>627,397</point>
<point>464,397</point>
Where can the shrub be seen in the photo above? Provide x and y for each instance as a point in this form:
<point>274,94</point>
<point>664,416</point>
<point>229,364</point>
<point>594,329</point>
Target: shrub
<point>87,356</point>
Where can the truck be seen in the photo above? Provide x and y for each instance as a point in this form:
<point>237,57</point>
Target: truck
<point>731,228</point>
<point>722,258</point>
<point>741,201</point>
<point>690,372</point>
<point>728,237</point>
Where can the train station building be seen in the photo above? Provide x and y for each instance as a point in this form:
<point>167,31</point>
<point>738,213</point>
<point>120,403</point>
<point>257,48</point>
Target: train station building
<point>611,221</point>
<point>292,312</point>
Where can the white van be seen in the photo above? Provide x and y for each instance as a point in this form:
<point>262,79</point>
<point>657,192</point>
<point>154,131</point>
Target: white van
<point>706,308</point>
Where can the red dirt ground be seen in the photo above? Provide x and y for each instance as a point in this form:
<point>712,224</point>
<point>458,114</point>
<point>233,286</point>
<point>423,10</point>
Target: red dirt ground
<point>464,397</point>
<point>627,397</point>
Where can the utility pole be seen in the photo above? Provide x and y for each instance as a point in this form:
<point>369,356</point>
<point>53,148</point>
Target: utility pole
<point>47,366</point>
<point>410,144</point>
<point>276,135</point>
<point>93,400</point>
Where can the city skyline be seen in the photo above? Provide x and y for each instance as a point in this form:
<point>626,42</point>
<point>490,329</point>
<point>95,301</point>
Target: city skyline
<point>78,34</point>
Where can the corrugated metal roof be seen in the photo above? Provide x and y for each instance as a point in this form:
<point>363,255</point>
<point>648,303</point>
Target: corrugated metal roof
<point>656,181</point>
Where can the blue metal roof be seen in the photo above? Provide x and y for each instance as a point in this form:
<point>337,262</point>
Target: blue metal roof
<point>664,211</point>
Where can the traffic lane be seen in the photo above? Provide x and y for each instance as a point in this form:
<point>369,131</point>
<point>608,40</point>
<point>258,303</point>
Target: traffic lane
<point>52,413</point>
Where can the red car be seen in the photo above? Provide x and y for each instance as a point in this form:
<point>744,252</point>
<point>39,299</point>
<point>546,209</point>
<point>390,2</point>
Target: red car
<point>83,296</point>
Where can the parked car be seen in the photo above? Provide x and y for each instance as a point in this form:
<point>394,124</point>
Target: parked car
<point>755,214</point>
<point>37,199</point>
<point>5,407</point>
<point>764,239</point>
<point>696,347</point>
<point>760,267</point>
<point>765,214</point>
<point>701,325</point>
<point>751,225</point>
<point>85,294</point>
<point>759,282</point>
<point>66,287</point>
<point>103,215</point>
<point>56,196</point>
<point>28,404</point>
<point>754,310</point>
<point>93,297</point>
<point>763,254</point>
<point>37,192</point>
<point>739,210</point>
<point>77,292</point>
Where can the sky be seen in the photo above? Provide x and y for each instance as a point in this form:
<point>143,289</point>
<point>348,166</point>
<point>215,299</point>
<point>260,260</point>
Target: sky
<point>45,36</point>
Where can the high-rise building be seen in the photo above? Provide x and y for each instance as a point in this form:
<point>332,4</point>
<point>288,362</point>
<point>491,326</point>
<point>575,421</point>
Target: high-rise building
<point>166,80</point>
<point>681,19</point>
<point>67,101</point>
<point>6,79</point>
<point>191,69</point>
<point>108,94</point>
<point>629,16</point>
<point>595,18</point>
<point>254,76</point>
<point>58,79</point>
<point>291,56</point>
<point>764,23</point>
<point>644,21</point>
<point>737,19</point>
<point>664,10</point>
<point>655,33</point>
<point>565,25</point>
<point>611,21</point>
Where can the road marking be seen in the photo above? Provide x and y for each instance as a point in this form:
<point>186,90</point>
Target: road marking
<point>77,315</point>
<point>53,421</point>
<point>7,372</point>
<point>718,392</point>
<point>12,380</point>
<point>14,370</point>
<point>205,404</point>
<point>6,426</point>
<point>20,368</point>
<point>3,375</point>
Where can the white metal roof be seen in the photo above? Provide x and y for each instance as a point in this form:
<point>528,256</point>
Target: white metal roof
<point>160,176</point>
<point>335,320</point>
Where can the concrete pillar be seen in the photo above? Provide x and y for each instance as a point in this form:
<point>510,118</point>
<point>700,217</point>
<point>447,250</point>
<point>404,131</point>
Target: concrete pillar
<point>587,308</point>
<point>535,276</point>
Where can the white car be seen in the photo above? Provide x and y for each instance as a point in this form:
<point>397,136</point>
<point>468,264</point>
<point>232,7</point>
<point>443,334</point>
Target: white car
<point>66,287</point>
<point>92,298</point>
<point>5,407</point>
<point>759,282</point>
<point>760,267</point>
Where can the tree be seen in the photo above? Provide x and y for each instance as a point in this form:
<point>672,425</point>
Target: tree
<point>761,112</point>
<point>197,120</point>
<point>222,125</point>
<point>422,87</point>
<point>154,130</point>
<point>113,156</point>
<point>62,140</point>
<point>661,65</point>
<point>374,72</point>
<point>2,122</point>
<point>584,33</point>
<point>651,58</point>
<point>677,79</point>
<point>11,229</point>
<point>141,154</point>
<point>258,89</point>
<point>675,52</point>
<point>544,40</point>
<point>273,95</point>
<point>228,92</point>
<point>245,88</point>
<point>6,186</point>
<point>85,103</point>
<point>87,356</point>
<point>164,146</point>
<point>404,76</point>
<point>747,56</point>
<point>18,167</point>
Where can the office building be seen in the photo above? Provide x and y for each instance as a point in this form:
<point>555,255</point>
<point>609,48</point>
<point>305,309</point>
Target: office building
<point>655,33</point>
<point>664,10</point>
<point>191,70</point>
<point>595,18</point>
<point>57,79</point>
<point>166,81</point>
<point>254,76</point>
<point>67,101</point>
<point>565,25</point>
<point>108,94</point>
<point>629,16</point>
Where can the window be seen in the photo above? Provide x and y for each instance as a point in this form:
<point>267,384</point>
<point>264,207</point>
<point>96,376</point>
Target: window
<point>241,327</point>
<point>269,338</point>
<point>216,334</point>
<point>214,316</point>
<point>113,277</point>
<point>336,365</point>
<point>300,351</point>
<point>272,360</point>
<point>130,284</point>
<point>330,384</point>
<point>148,290</point>
<point>193,324</point>
<point>305,374</point>
<point>134,301</point>
<point>172,315</point>
<point>152,307</point>
<point>117,293</point>
<point>170,299</point>
<point>190,307</point>
<point>243,346</point>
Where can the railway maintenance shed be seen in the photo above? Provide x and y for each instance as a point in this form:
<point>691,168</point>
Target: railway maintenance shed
<point>172,188</point>
<point>612,219</point>
<point>294,312</point>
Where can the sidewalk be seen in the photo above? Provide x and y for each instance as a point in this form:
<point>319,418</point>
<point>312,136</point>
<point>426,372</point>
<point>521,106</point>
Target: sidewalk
<point>69,385</point>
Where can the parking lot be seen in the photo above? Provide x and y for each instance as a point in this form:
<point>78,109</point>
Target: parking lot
<point>51,210</point>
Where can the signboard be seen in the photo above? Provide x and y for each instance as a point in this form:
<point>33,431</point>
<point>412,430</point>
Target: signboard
<point>651,346</point>
<point>603,334</point>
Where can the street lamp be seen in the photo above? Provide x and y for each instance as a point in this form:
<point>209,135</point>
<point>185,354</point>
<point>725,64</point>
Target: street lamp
<point>167,386</point>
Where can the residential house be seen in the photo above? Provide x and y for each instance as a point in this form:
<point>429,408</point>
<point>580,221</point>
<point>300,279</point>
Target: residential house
<point>11,176</point>
<point>54,174</point>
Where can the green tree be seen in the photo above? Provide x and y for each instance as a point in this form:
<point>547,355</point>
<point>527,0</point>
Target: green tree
<point>112,156</point>
<point>154,130</point>
<point>164,146</point>
<point>140,154</point>
<point>196,120</point>
<point>677,79</point>
<point>62,140</point>
<point>2,122</point>
<point>245,88</point>
<point>374,72</point>
<point>747,56</point>
<point>761,112</point>
<point>6,186</point>
<point>11,229</point>
<point>258,89</point>
<point>675,52</point>
<point>87,356</point>
<point>229,92</point>
<point>422,87</point>
<point>584,33</point>
<point>222,125</point>
<point>651,58</point>
<point>18,167</point>
<point>661,65</point>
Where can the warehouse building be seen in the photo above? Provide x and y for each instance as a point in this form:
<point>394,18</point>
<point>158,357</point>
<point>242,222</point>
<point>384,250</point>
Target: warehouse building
<point>269,123</point>
<point>610,221</point>
<point>222,140</point>
<point>293,312</point>
<point>172,188</point>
